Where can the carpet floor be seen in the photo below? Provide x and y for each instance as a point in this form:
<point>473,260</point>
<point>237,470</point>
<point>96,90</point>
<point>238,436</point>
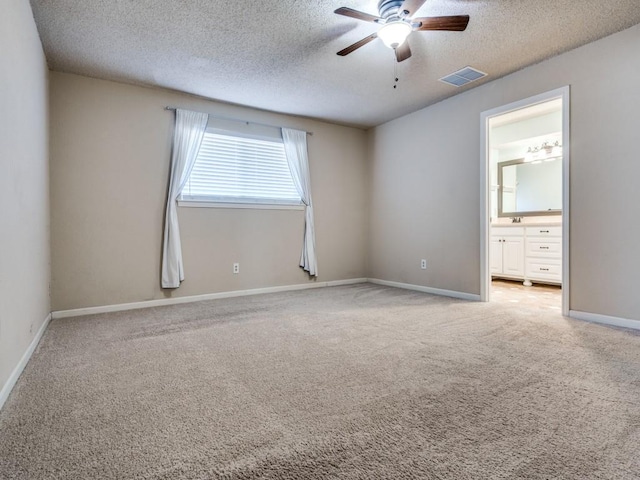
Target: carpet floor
<point>355,382</point>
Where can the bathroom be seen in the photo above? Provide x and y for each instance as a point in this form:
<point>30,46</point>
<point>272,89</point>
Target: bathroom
<point>526,200</point>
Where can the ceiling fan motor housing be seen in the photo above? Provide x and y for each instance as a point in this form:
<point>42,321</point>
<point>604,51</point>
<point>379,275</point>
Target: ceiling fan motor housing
<point>390,9</point>
<point>397,23</point>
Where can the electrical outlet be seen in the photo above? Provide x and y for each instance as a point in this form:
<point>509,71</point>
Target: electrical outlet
<point>236,268</point>
<point>423,264</point>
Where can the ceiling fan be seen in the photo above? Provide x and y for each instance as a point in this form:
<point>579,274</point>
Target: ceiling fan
<point>397,24</point>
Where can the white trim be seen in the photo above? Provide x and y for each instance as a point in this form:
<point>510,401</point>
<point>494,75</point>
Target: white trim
<point>566,195</point>
<point>13,378</point>
<point>433,291</point>
<point>197,298</point>
<point>485,274</point>
<point>256,206</point>
<point>605,319</point>
<point>256,291</point>
<point>485,195</point>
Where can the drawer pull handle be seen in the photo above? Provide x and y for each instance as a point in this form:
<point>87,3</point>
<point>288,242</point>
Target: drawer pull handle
<point>544,248</point>
<point>544,231</point>
<point>544,269</point>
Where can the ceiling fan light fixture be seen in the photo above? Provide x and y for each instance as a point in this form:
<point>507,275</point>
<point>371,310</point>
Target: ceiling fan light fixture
<point>394,34</point>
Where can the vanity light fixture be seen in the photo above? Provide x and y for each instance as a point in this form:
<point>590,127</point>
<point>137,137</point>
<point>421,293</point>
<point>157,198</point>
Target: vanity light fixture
<point>546,151</point>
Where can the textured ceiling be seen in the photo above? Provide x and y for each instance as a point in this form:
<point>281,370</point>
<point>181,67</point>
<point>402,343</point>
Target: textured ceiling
<point>281,55</point>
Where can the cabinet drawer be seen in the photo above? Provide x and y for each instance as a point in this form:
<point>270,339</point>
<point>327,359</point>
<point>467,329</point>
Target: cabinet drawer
<point>544,231</point>
<point>544,269</point>
<point>507,231</point>
<point>544,247</point>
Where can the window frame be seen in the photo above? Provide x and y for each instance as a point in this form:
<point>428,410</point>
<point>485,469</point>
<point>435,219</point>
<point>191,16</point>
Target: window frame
<point>215,201</point>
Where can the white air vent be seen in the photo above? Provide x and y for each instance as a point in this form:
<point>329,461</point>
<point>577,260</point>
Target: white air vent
<point>463,76</point>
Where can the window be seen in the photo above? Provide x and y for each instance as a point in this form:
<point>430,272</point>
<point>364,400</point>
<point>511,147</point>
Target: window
<point>240,169</point>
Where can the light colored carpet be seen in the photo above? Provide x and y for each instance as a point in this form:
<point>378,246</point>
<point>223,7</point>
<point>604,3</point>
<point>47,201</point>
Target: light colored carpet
<point>358,382</point>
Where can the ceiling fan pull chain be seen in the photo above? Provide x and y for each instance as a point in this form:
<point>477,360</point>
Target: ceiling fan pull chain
<point>395,73</point>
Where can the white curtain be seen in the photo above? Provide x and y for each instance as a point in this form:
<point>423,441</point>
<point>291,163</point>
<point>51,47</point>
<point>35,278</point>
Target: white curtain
<point>187,137</point>
<point>295,147</point>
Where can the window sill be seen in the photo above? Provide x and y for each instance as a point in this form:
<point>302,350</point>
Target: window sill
<point>255,206</point>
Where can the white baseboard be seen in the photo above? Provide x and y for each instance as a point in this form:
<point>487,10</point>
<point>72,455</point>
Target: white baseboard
<point>197,298</point>
<point>434,291</point>
<point>605,319</point>
<point>13,378</point>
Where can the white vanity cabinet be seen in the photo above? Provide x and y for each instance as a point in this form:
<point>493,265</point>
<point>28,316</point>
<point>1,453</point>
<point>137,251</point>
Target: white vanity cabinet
<point>543,260</point>
<point>507,252</point>
<point>528,253</point>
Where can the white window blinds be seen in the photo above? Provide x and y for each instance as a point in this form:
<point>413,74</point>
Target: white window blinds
<point>240,169</point>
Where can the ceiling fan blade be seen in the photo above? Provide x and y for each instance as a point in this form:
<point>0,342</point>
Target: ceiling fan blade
<point>403,51</point>
<point>456,23</point>
<point>350,12</point>
<point>411,7</point>
<point>357,45</point>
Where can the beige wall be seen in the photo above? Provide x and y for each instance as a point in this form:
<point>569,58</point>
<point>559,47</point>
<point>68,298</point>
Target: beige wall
<point>24,192</point>
<point>110,149</point>
<point>426,169</point>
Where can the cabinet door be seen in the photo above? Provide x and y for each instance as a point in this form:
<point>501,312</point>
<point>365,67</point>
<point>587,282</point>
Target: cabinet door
<point>513,256</point>
<point>495,255</point>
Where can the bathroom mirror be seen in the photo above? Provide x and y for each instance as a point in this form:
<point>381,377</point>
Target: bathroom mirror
<point>530,188</point>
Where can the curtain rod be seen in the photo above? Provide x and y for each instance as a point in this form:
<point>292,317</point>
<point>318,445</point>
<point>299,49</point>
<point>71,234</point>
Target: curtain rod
<point>241,121</point>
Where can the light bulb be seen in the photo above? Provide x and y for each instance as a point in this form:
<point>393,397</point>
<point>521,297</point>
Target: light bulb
<point>394,34</point>
<point>528,157</point>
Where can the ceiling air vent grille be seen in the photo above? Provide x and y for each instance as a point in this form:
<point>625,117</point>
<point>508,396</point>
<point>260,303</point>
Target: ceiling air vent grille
<point>463,76</point>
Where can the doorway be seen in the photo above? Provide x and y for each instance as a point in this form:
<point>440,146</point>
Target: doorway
<point>525,202</point>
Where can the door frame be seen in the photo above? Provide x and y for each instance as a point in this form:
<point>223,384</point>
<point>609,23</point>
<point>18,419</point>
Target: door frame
<point>485,188</point>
